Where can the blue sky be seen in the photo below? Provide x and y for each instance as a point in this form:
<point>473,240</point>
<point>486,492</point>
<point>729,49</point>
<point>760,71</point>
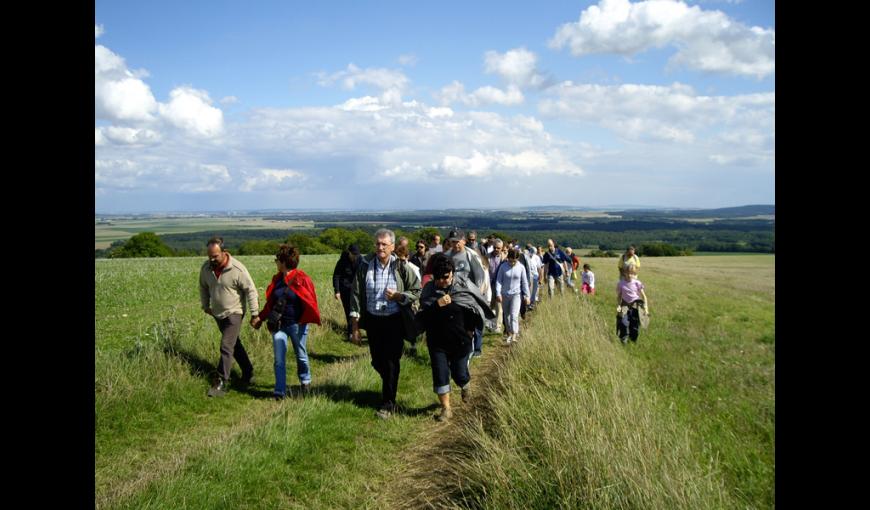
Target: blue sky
<point>401,105</point>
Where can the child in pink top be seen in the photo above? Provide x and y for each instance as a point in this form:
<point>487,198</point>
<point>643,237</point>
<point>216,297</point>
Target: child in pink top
<point>630,296</point>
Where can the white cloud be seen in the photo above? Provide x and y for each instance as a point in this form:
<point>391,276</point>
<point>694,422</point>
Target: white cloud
<point>384,79</point>
<point>98,30</point>
<point>362,104</point>
<point>118,94</point>
<point>190,109</point>
<point>125,135</point>
<point>517,67</point>
<point>706,40</point>
<point>229,100</point>
<point>645,112</point>
<point>267,179</point>
<point>455,93</point>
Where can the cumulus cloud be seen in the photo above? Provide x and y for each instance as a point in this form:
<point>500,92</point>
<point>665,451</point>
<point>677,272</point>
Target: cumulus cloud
<point>675,113</point>
<point>706,40</point>
<point>119,95</point>
<point>191,110</point>
<point>455,93</point>
<point>268,179</point>
<point>125,135</point>
<point>98,30</point>
<point>517,67</point>
<point>159,174</point>
<point>353,76</point>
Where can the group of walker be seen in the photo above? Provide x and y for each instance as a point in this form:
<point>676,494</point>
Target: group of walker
<point>446,291</point>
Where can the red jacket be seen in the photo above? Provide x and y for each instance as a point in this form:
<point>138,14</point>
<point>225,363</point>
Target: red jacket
<point>302,285</point>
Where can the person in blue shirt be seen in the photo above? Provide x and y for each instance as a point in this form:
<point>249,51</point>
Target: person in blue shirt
<point>555,264</point>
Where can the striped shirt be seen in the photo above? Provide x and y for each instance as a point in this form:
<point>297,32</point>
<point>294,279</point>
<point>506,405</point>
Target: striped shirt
<point>379,279</point>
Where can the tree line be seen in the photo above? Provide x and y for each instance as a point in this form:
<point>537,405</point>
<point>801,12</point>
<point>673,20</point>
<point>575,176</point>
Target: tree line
<point>336,239</point>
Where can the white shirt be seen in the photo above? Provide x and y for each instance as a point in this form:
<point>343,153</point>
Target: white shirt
<point>589,277</point>
<point>535,264</point>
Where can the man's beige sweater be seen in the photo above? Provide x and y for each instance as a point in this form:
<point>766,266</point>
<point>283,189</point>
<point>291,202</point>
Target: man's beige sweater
<point>224,295</point>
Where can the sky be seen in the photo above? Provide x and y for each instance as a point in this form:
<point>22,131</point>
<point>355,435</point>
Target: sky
<point>396,105</point>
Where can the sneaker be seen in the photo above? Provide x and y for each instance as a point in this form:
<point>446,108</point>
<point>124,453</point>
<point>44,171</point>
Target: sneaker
<point>515,337</point>
<point>624,340</point>
<point>385,411</point>
<point>466,393</point>
<point>219,389</point>
<point>507,341</point>
<point>445,414</point>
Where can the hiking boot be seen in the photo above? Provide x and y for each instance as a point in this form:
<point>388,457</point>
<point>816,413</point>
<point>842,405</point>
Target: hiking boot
<point>445,414</point>
<point>219,389</point>
<point>466,393</point>
<point>306,390</point>
<point>385,412</point>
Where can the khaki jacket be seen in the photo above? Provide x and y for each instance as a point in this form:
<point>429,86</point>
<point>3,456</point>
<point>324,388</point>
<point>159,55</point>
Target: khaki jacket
<point>224,295</point>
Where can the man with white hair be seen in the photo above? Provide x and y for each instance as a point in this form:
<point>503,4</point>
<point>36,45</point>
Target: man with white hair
<point>383,285</point>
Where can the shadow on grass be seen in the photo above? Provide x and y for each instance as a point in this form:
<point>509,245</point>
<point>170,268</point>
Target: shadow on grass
<point>365,399</point>
<point>204,369</point>
<point>339,328</point>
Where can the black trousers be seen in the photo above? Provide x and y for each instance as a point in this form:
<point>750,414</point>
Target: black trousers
<point>629,323</point>
<point>386,345</point>
<point>345,302</point>
<point>231,347</point>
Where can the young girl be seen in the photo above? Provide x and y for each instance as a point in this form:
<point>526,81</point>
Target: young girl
<point>588,277</point>
<point>629,296</point>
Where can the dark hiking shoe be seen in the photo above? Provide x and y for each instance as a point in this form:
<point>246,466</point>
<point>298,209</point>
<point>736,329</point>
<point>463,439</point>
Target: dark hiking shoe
<point>278,397</point>
<point>219,389</point>
<point>248,380</point>
<point>306,390</point>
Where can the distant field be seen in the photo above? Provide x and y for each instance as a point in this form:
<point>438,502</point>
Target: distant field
<point>115,230</point>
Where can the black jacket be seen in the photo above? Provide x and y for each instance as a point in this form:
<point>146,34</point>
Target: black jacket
<point>343,274</point>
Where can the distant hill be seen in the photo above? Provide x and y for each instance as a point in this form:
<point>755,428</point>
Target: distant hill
<point>725,212</point>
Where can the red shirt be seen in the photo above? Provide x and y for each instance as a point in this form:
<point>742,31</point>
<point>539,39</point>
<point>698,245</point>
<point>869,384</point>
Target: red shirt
<point>218,271</point>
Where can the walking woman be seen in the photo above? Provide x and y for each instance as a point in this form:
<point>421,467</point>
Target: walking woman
<point>450,310</point>
<point>512,287</point>
<point>291,304</point>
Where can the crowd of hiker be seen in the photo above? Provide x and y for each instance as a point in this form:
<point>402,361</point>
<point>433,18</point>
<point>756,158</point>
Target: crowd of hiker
<point>449,291</point>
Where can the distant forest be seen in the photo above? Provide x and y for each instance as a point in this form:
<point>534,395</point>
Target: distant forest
<point>333,231</point>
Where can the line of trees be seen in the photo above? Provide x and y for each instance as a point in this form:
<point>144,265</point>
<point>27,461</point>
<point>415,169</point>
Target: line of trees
<point>336,239</point>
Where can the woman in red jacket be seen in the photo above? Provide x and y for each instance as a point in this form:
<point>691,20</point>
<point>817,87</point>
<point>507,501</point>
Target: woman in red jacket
<point>291,304</point>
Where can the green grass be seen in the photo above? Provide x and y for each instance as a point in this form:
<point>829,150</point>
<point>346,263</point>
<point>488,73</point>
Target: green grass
<point>570,419</point>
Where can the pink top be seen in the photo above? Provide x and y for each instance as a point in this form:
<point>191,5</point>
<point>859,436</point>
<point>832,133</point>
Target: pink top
<point>629,291</point>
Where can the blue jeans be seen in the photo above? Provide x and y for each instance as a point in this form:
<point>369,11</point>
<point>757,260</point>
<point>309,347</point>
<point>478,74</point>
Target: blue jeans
<point>299,336</point>
<point>478,340</point>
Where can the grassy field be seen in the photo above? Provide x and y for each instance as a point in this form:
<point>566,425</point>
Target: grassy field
<point>568,418</point>
<point>120,229</point>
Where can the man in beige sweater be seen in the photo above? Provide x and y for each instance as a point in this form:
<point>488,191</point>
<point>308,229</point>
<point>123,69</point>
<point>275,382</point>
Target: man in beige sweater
<point>223,282</point>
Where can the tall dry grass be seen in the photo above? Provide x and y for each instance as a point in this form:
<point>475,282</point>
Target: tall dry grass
<point>568,422</point>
